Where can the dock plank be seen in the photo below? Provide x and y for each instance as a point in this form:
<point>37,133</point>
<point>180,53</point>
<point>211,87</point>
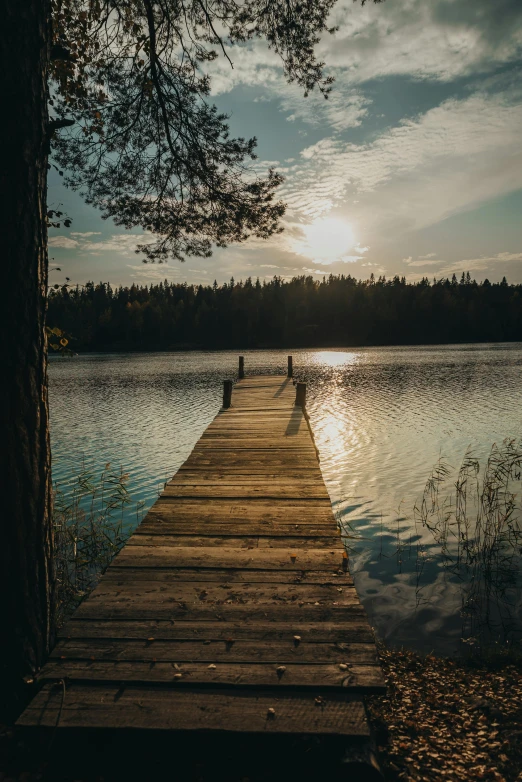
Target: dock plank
<point>232,598</point>
<point>145,708</point>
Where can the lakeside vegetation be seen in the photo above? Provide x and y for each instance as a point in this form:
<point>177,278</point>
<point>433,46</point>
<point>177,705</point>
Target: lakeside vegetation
<point>338,310</point>
<point>474,516</point>
<point>89,530</point>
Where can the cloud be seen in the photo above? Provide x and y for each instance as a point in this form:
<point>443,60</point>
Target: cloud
<point>438,40</point>
<point>428,255</point>
<point>268,266</point>
<point>444,161</point>
<point>423,263</point>
<point>345,107</point>
<point>62,241</point>
<point>83,234</point>
<point>121,243</point>
<point>154,272</point>
<point>480,264</point>
<point>425,39</point>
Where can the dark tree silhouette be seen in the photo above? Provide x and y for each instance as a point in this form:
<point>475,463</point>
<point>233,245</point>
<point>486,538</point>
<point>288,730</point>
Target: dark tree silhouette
<point>337,311</point>
<point>132,126</point>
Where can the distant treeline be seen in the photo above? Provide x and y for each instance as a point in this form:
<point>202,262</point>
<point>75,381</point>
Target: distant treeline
<point>339,310</point>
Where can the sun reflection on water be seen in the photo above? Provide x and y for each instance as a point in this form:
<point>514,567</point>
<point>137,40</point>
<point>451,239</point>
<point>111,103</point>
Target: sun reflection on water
<point>334,358</point>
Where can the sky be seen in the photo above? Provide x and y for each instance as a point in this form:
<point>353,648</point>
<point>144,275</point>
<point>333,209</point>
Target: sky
<point>413,166</point>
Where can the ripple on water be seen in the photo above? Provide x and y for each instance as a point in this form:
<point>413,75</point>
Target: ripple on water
<point>381,417</point>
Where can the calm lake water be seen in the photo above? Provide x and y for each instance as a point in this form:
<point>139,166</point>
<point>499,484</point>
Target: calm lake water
<point>382,417</point>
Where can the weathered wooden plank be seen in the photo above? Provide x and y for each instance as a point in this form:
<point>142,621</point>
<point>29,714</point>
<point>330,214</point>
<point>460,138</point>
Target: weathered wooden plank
<point>216,474</point>
<point>256,508</point>
<point>281,435</point>
<point>184,710</point>
<point>173,539</point>
<point>357,678</point>
<point>273,559</point>
<point>216,471</point>
<point>228,650</point>
<point>198,592</point>
<point>205,528</point>
<point>257,457</point>
<point>357,630</point>
<point>141,610</point>
<point>229,576</point>
<point>254,443</point>
<point>246,490</point>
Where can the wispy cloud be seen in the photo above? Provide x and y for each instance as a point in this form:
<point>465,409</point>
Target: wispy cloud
<point>124,243</point>
<point>425,39</point>
<point>65,242</point>
<point>480,264</point>
<point>440,40</point>
<point>415,174</point>
<point>424,263</point>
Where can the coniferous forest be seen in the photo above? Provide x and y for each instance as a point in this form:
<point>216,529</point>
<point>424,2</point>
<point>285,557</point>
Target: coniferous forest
<point>337,311</point>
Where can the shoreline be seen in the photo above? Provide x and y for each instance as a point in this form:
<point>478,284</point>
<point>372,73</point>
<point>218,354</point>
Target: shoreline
<point>193,348</point>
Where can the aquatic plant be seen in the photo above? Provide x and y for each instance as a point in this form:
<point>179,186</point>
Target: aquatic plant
<point>475,519</point>
<point>89,520</point>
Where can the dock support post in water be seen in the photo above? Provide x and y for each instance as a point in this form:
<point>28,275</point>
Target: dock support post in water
<point>231,608</point>
<point>300,395</point>
<point>290,367</point>
<point>241,373</point>
<point>227,394</point>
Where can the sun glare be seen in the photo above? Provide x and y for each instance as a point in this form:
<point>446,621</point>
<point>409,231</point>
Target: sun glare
<point>328,240</point>
<point>334,358</point>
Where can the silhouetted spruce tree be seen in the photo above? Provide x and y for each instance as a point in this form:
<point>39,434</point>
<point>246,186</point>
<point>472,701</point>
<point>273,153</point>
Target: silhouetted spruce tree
<point>303,312</point>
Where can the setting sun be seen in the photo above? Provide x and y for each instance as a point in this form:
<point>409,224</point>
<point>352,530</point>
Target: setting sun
<point>327,240</point>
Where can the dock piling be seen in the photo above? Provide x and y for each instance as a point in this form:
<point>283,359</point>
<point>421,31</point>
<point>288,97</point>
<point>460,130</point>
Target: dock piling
<point>300,395</point>
<point>227,394</point>
<point>241,372</point>
<point>161,644</point>
<point>290,367</point>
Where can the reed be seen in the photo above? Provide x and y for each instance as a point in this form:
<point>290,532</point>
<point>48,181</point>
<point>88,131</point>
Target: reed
<point>91,524</point>
<point>475,518</point>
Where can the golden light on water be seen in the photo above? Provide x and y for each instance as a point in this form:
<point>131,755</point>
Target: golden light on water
<point>334,427</point>
<point>334,358</point>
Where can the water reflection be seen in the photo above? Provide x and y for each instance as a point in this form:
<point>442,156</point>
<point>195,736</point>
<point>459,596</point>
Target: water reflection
<point>333,358</point>
<point>381,419</point>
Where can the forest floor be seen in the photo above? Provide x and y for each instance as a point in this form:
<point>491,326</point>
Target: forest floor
<point>442,719</point>
<point>448,719</point>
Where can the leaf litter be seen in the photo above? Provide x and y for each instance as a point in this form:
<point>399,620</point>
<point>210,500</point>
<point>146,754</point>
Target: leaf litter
<point>448,719</point>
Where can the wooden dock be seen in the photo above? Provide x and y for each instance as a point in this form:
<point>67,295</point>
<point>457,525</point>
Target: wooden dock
<point>231,607</point>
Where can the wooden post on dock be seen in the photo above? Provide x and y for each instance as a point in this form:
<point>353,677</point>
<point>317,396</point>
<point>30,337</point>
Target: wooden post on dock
<point>300,395</point>
<point>227,393</point>
<point>290,367</point>
<point>241,373</point>
<point>225,519</point>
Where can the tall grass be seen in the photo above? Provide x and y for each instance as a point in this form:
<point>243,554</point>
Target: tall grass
<point>91,524</point>
<point>475,519</point>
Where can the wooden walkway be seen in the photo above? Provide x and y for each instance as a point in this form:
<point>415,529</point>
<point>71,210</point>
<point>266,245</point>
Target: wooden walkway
<point>230,608</point>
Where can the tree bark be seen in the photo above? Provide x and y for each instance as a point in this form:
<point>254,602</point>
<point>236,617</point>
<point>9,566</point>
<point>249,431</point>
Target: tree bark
<point>26,572</point>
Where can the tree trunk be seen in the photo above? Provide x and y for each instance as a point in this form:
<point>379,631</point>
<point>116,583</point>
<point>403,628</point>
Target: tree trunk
<point>26,572</point>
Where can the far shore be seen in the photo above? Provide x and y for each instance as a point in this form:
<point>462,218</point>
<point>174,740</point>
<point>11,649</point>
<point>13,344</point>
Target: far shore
<point>196,348</point>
